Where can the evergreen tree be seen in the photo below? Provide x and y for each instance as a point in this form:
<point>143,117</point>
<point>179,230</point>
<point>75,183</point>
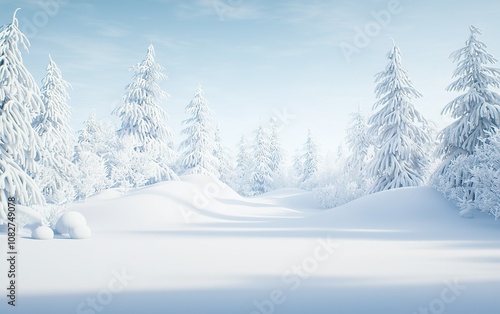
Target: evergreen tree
<point>261,174</point>
<point>98,136</point>
<point>225,166</point>
<point>477,111</point>
<point>277,155</point>
<point>244,160</point>
<point>399,130</point>
<point>142,120</point>
<point>57,174</point>
<point>19,103</point>
<point>199,146</point>
<point>310,161</point>
<point>297,165</point>
<point>358,141</point>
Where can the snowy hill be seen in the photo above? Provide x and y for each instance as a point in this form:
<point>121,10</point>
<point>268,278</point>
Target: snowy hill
<point>195,246</point>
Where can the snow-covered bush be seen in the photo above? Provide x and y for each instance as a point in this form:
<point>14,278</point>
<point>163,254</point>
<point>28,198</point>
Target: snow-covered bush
<point>473,181</point>
<point>94,156</point>
<point>337,185</point>
<point>49,214</point>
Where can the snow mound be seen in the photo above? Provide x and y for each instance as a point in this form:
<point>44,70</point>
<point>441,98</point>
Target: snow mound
<point>80,232</point>
<point>192,199</point>
<point>413,209</point>
<point>43,233</point>
<point>69,220</point>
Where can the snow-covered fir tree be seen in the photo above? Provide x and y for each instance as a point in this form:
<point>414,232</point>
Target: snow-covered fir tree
<point>398,129</point>
<point>310,162</point>
<point>57,173</point>
<point>198,148</point>
<point>297,165</point>
<point>96,144</point>
<point>143,120</point>
<point>277,155</point>
<point>261,174</point>
<point>223,156</point>
<point>244,160</point>
<point>477,111</point>
<point>359,142</point>
<point>19,103</point>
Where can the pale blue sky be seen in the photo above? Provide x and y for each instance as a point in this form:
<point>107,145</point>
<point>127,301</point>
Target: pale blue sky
<point>257,58</point>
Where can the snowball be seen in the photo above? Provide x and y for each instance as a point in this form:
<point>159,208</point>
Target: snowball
<point>80,232</point>
<point>68,220</point>
<point>42,233</point>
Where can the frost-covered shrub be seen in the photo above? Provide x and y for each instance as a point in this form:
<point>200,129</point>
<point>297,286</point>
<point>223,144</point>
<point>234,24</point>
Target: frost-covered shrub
<point>49,214</point>
<point>473,181</point>
<point>341,188</point>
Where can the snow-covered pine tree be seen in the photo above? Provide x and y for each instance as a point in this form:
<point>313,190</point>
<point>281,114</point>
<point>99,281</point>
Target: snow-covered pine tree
<point>277,155</point>
<point>19,103</point>
<point>198,147</point>
<point>57,173</point>
<point>244,160</point>
<point>358,141</point>
<point>398,129</point>
<point>223,156</point>
<point>297,165</point>
<point>261,174</point>
<point>310,162</point>
<point>143,119</point>
<point>478,110</point>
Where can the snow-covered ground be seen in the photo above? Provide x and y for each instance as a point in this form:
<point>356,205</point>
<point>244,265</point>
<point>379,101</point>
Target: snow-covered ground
<point>196,246</point>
